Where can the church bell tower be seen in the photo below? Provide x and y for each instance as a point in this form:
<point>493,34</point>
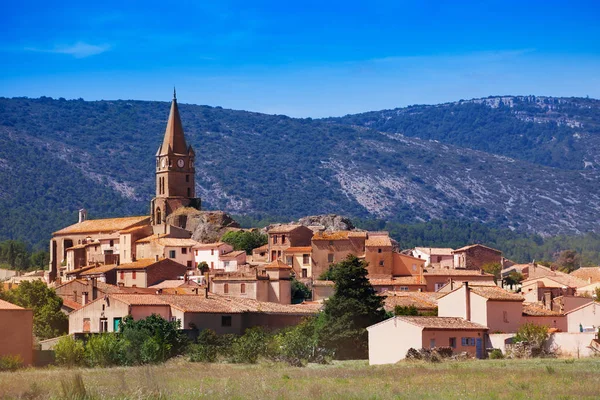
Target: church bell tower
<point>175,171</point>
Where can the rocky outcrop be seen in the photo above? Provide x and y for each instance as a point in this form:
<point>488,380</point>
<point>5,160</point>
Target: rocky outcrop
<point>329,222</point>
<point>205,226</point>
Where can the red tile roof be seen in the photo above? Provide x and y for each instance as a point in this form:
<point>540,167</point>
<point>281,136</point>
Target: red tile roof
<point>283,228</point>
<point>104,225</point>
<point>455,272</point>
<point>277,264</point>
<point>231,255</point>
<point>378,241</point>
<point>534,310</point>
<point>401,280</point>
<point>420,300</point>
<point>443,323</point>
<point>5,305</point>
<point>587,274</point>
<point>338,235</point>
<point>306,249</point>
<point>73,305</point>
<point>495,293</point>
<point>208,245</point>
<point>476,245</point>
<point>99,270</point>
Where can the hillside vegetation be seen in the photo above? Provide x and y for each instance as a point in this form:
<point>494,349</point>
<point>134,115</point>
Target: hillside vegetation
<point>523,164</point>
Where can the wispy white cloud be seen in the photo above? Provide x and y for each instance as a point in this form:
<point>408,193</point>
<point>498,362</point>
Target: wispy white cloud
<point>77,50</point>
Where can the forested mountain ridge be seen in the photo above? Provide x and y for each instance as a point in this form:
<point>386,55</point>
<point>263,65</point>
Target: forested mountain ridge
<point>454,161</point>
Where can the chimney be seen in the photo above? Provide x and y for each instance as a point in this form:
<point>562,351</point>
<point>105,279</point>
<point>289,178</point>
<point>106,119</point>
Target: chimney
<point>82,215</point>
<point>84,298</point>
<point>156,258</point>
<point>467,301</point>
<point>548,300</point>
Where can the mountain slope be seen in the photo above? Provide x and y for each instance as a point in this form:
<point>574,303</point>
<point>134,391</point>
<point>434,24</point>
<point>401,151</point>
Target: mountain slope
<point>57,156</point>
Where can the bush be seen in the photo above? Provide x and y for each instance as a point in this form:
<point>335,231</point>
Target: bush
<point>10,362</point>
<point>250,346</point>
<point>207,347</point>
<point>103,350</point>
<point>301,344</point>
<point>534,336</point>
<point>69,352</point>
<point>496,354</point>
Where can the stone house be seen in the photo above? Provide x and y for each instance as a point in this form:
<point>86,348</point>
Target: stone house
<point>546,288</point>
<point>16,332</point>
<point>439,257</point>
<point>390,340</point>
<point>476,256</point>
<point>177,249</point>
<point>147,272</point>
<point>230,262</point>
<point>102,273</point>
<point>210,252</point>
<point>282,237</point>
<point>260,254</point>
<point>204,311</point>
<point>494,307</point>
<point>299,258</point>
<point>379,255</point>
<point>332,247</point>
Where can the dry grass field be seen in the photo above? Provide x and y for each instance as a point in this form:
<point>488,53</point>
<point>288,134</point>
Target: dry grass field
<point>179,379</point>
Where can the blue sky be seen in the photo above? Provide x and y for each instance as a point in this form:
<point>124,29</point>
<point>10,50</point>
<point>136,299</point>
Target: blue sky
<point>310,58</point>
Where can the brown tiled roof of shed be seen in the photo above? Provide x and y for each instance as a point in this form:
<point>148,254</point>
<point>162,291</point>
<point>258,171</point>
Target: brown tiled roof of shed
<point>231,255</point>
<point>174,283</point>
<point>357,234</point>
<point>140,299</point>
<point>444,323</point>
<point>132,229</point>
<point>232,305</point>
<point>560,278</point>
<point>103,225</point>
<point>287,228</point>
<point>378,241</point>
<point>476,245</point>
<point>73,305</point>
<point>277,264</point>
<point>495,293</point>
<point>264,247</point>
<point>588,274</point>
<point>305,249</point>
<point>534,310</point>
<point>80,270</point>
<point>99,270</point>
<point>5,305</point>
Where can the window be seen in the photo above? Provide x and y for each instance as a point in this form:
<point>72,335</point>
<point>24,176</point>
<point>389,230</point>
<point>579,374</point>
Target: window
<point>452,342</point>
<point>158,216</point>
<point>86,324</point>
<point>379,250</point>
<point>189,192</point>
<point>305,259</point>
<point>133,274</point>
<point>331,242</point>
<point>187,178</point>
<point>467,341</point>
<point>381,263</point>
<point>183,250</point>
<point>282,239</point>
<point>103,325</point>
<point>172,254</point>
<point>431,343</point>
<point>304,273</point>
<point>225,320</point>
<point>330,257</point>
<point>226,288</point>
<point>289,260</point>
<point>439,285</point>
<point>404,288</point>
<point>122,275</point>
<point>243,288</point>
<point>112,243</point>
<point>212,265</point>
<point>274,239</point>
<point>196,252</point>
<point>212,252</point>
<point>189,265</point>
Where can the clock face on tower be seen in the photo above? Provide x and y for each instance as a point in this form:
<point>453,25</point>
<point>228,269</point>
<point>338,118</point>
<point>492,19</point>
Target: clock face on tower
<point>180,163</point>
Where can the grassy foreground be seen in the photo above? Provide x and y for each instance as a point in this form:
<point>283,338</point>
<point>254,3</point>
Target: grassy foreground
<point>179,379</point>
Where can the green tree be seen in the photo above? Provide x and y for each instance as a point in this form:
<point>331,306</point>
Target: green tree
<point>300,291</point>
<point>568,261</point>
<point>69,352</point>
<point>245,240</point>
<point>15,254</point>
<point>534,335</point>
<point>494,269</point>
<point>203,267</point>
<point>514,278</point>
<point>406,310</point>
<point>353,307</point>
<point>48,319</point>
<point>39,260</point>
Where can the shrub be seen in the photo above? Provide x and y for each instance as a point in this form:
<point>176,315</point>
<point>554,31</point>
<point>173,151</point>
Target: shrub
<point>301,344</point>
<point>103,350</point>
<point>496,354</point>
<point>207,347</point>
<point>413,354</point>
<point>250,346</point>
<point>533,335</point>
<point>444,352</point>
<point>10,362</point>
<point>73,388</point>
<point>69,352</point>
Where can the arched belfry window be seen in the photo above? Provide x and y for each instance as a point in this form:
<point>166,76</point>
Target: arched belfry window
<point>158,216</point>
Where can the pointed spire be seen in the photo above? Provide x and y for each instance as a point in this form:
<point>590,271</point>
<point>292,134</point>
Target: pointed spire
<point>174,140</point>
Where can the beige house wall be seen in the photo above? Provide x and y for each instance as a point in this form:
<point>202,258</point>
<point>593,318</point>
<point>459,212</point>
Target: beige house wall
<point>555,321</point>
<point>406,265</point>
<point>125,278</point>
<point>504,316</point>
<point>16,334</point>
<point>375,258</point>
<point>586,316</point>
<point>390,340</point>
<point>322,292</point>
<point>441,280</point>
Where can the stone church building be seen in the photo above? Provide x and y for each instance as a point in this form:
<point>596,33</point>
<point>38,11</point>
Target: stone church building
<point>113,240</point>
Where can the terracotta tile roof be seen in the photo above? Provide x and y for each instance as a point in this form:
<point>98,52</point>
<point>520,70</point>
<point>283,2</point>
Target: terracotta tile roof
<point>231,255</point>
<point>475,245</point>
<point>455,272</point>
<point>214,245</point>
<point>457,284</point>
<point>495,293</point>
<point>73,305</point>
<point>150,238</point>
<point>173,283</point>
<point>99,270</point>
<point>277,264</point>
<point>306,249</point>
<point>534,310</point>
<point>407,299</point>
<point>587,273</point>
<point>132,229</point>
<point>442,251</point>
<point>80,270</point>
<point>357,234</point>
<point>103,225</point>
<point>378,241</point>
<point>323,283</point>
<point>401,280</point>
<point>262,248</point>
<point>79,246</point>
<point>287,228</point>
<point>5,305</point>
<point>445,323</point>
<point>561,279</point>
<point>232,305</point>
<point>140,299</point>
<point>338,235</point>
<point>147,262</point>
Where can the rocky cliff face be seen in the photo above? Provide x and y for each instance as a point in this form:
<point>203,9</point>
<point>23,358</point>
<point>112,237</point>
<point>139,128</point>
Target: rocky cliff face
<point>205,226</point>
<point>329,222</point>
